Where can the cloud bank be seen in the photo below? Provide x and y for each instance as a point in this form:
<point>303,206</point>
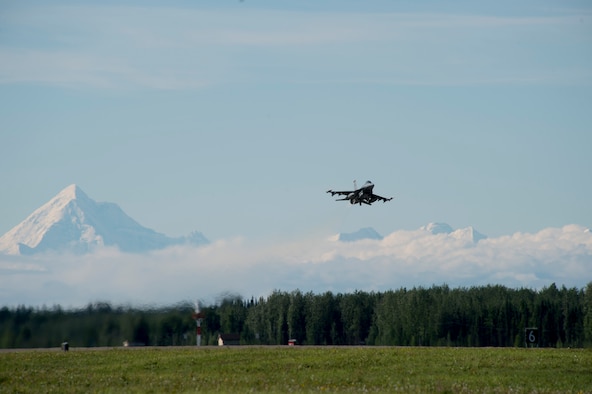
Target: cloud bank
<point>401,259</point>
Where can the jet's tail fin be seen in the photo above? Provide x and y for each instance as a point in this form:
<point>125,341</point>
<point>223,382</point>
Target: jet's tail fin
<point>355,185</point>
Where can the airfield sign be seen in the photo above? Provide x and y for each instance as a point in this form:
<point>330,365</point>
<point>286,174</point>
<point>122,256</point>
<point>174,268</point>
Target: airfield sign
<point>531,336</point>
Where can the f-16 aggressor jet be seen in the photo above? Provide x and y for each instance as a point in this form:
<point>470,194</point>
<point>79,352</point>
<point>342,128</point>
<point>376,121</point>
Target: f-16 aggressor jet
<point>361,195</point>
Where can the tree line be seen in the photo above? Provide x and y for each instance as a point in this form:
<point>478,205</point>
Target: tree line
<point>435,316</point>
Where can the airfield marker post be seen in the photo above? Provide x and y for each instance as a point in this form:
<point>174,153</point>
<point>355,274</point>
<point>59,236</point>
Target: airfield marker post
<point>198,316</point>
<point>531,336</point>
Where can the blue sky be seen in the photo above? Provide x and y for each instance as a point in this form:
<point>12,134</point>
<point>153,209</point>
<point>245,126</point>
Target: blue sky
<point>234,118</point>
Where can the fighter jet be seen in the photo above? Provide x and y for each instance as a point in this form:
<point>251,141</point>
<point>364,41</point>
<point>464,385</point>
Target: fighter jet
<point>361,195</point>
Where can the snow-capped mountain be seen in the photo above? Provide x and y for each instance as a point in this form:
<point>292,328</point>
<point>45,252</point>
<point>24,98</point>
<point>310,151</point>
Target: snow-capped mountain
<point>437,228</point>
<point>73,222</point>
<point>363,233</point>
<point>468,233</point>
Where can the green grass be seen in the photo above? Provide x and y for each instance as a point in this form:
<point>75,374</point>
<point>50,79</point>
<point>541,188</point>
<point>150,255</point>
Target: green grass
<point>299,369</point>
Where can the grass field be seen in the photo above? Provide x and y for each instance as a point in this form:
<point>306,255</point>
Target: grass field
<point>298,369</point>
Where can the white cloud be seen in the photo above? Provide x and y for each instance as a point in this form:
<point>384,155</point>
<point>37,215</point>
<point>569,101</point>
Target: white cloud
<point>402,259</point>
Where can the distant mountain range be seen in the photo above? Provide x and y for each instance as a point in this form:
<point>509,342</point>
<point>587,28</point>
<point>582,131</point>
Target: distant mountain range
<point>464,233</point>
<point>364,233</point>
<point>73,222</point>
<point>468,233</point>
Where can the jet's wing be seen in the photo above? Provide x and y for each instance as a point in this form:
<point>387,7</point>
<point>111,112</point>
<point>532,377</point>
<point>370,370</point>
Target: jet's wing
<point>376,197</point>
<point>341,193</point>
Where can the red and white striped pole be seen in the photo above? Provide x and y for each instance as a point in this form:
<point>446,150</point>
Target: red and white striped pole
<point>198,316</point>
